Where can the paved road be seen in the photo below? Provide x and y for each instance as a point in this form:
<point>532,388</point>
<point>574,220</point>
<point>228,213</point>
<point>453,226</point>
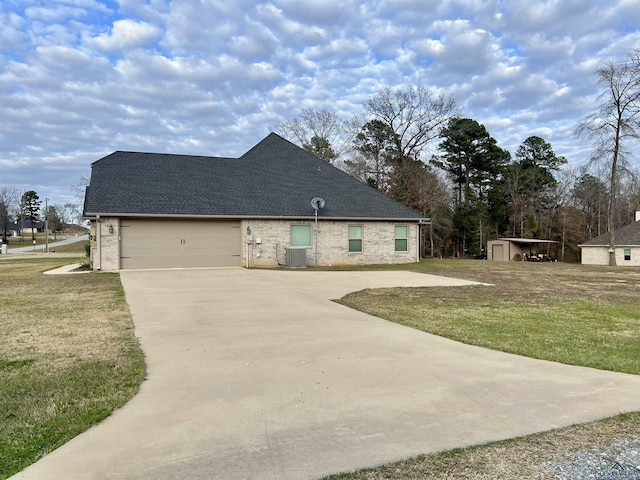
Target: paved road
<point>40,248</point>
<point>256,374</point>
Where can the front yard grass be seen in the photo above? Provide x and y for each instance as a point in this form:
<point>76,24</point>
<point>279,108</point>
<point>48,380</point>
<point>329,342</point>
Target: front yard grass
<point>68,356</point>
<point>574,314</point>
<point>564,313</point>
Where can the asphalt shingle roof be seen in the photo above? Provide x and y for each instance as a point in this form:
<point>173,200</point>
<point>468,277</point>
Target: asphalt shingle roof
<point>275,178</point>
<point>626,236</point>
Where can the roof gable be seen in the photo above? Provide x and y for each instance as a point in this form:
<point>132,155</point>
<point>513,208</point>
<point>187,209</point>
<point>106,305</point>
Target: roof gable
<point>274,178</point>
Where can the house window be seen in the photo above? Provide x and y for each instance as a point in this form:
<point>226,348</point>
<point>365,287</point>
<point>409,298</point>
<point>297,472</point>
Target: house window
<point>300,235</point>
<point>355,238</point>
<point>401,238</point>
<point>627,254</point>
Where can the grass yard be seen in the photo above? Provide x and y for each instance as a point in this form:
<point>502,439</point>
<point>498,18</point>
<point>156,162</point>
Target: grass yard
<point>566,313</point>
<point>68,356</point>
<point>575,314</point>
<point>41,239</point>
<point>77,247</point>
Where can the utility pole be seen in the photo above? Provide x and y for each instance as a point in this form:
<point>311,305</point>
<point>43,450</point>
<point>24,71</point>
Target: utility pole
<point>46,223</point>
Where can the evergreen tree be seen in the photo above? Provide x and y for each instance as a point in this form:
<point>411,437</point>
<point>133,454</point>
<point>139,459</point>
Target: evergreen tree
<point>321,148</point>
<point>471,158</point>
<point>29,208</point>
<point>475,164</point>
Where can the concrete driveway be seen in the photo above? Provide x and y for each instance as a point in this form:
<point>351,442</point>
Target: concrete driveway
<point>256,375</point>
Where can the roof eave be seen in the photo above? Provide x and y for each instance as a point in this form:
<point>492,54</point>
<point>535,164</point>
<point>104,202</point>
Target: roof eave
<point>619,245</point>
<point>94,215</point>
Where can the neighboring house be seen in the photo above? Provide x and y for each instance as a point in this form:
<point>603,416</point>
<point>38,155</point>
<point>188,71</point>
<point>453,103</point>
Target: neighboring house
<point>36,227</point>
<point>27,228</point>
<point>73,228</point>
<point>596,250</point>
<point>149,210</point>
<point>505,249</point>
<point>13,229</point>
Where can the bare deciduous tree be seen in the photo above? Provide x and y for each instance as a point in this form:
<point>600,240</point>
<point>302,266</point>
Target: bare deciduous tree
<point>80,188</point>
<point>8,203</point>
<point>415,115</point>
<point>316,127</point>
<point>589,197</point>
<point>615,121</point>
<point>71,213</point>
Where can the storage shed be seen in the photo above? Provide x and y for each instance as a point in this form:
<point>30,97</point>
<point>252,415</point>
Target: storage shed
<point>520,249</point>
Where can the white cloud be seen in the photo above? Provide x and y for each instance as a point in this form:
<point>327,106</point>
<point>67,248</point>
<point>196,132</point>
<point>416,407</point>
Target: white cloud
<point>126,34</point>
<point>11,38</point>
<point>80,78</point>
<point>203,26</point>
<point>54,14</point>
<point>258,43</point>
<point>319,12</point>
<point>153,11</point>
<point>339,53</point>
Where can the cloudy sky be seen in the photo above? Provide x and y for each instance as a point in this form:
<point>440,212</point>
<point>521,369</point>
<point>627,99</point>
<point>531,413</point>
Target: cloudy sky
<point>82,78</point>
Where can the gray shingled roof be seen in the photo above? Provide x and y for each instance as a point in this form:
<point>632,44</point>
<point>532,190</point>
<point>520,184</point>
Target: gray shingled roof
<point>627,236</point>
<point>275,178</point>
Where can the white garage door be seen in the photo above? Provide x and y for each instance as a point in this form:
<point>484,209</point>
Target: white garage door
<point>179,243</point>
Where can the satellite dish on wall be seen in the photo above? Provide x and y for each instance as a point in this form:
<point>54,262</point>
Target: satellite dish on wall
<point>317,203</point>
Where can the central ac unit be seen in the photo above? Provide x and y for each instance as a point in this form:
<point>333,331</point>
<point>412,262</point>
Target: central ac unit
<point>296,257</point>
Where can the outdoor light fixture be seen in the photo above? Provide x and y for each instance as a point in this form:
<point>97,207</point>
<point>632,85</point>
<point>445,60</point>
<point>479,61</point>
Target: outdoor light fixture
<point>248,230</point>
<point>111,229</point>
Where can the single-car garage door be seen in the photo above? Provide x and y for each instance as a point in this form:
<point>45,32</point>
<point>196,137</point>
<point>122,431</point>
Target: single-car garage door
<point>179,243</point>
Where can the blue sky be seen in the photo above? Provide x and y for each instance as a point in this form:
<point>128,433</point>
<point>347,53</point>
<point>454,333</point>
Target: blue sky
<point>80,79</point>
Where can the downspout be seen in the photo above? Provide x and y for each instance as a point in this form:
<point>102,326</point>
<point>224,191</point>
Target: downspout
<point>316,253</point>
<point>418,237</point>
<point>119,226</point>
<point>99,242</point>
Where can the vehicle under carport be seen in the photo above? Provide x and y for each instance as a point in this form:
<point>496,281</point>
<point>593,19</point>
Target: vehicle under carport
<point>522,249</point>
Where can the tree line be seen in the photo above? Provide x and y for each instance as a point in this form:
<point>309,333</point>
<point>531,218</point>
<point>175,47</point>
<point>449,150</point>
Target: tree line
<point>27,209</point>
<point>417,147</point>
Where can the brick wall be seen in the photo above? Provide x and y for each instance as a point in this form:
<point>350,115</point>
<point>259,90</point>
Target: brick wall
<point>600,256</point>
<point>378,243</point>
<point>109,244</point>
<point>595,256</point>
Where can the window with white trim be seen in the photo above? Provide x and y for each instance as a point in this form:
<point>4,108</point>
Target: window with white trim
<point>627,254</point>
<point>300,235</point>
<point>401,238</point>
<point>355,238</point>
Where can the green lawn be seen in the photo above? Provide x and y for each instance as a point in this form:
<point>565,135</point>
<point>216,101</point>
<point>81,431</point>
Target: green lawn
<point>575,314</point>
<point>68,356</point>
<point>564,313</point>
<point>41,239</point>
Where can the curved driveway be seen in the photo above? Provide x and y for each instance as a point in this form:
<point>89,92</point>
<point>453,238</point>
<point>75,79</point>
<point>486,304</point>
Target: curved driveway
<point>255,374</point>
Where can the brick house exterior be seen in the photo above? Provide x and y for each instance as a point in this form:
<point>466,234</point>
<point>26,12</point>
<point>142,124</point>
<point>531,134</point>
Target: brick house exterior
<point>627,250</point>
<point>162,211</point>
